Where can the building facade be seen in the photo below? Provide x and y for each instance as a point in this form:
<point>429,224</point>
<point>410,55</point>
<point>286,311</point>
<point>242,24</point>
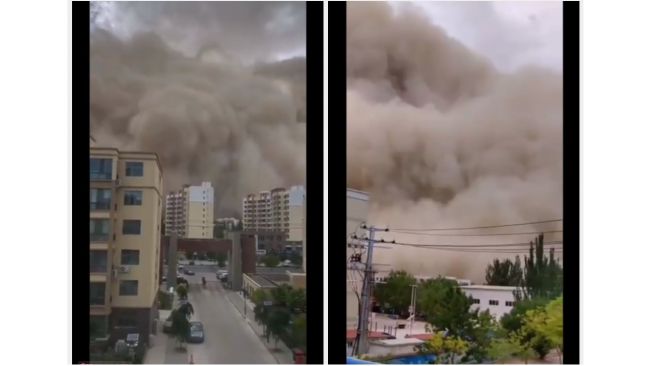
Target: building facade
<point>499,300</point>
<point>278,213</point>
<point>125,217</point>
<point>189,212</point>
<point>357,211</point>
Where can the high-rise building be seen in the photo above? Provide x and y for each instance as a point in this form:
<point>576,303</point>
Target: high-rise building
<point>189,212</point>
<point>280,210</point>
<point>125,218</point>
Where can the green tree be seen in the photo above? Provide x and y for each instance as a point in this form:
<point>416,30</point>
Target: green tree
<point>542,275</point>
<point>515,322</point>
<point>221,258</point>
<point>395,293</point>
<point>180,326</point>
<point>298,331</point>
<point>182,291</point>
<point>271,260</point>
<point>277,321</point>
<point>444,305</point>
<point>505,349</point>
<point>448,349</point>
<point>504,273</point>
<point>480,330</point>
<point>547,323</point>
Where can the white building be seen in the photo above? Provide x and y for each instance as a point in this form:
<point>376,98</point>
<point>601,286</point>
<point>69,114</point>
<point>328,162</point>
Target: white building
<point>499,300</point>
<point>189,212</point>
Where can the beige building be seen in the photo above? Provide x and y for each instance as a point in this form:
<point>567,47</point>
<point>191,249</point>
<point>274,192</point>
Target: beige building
<point>357,210</point>
<point>189,212</point>
<point>278,210</point>
<point>125,218</point>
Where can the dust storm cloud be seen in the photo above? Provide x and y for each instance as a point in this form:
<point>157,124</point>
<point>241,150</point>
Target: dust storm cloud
<point>440,138</point>
<point>199,84</point>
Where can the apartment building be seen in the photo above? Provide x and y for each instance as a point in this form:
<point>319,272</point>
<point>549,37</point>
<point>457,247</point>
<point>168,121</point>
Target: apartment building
<point>189,212</point>
<point>125,218</point>
<point>280,211</point>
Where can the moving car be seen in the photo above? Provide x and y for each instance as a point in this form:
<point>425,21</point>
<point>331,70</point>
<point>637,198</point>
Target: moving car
<point>196,334</point>
<point>189,272</point>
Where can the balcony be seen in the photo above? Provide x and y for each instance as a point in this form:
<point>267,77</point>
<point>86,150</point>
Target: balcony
<point>101,206</point>
<point>100,176</point>
<point>99,237</point>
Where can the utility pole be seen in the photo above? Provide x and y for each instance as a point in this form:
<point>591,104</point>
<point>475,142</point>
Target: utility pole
<point>413,301</point>
<point>361,346</point>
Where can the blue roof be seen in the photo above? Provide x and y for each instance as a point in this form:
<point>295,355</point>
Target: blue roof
<point>356,361</point>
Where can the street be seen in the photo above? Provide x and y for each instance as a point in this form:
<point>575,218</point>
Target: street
<point>228,337</point>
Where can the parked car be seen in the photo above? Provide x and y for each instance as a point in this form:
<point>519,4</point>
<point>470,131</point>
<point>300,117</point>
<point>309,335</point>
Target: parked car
<point>189,272</point>
<point>196,334</point>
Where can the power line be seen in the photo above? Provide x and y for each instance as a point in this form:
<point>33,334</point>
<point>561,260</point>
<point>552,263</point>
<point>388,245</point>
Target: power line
<point>481,227</point>
<point>492,234</point>
<point>471,246</point>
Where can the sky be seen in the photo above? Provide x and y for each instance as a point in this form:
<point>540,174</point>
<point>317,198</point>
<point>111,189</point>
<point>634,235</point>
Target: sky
<point>510,34</point>
<point>249,31</point>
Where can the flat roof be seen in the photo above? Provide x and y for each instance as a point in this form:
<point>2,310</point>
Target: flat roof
<point>399,341</point>
<point>261,281</point>
<point>490,288</point>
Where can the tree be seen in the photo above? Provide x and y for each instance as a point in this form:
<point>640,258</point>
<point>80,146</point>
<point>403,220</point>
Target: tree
<point>504,349</point>
<point>515,322</point>
<point>182,291</point>
<point>221,258</point>
<point>298,331</point>
<point>180,326</point>
<point>271,260</point>
<point>278,319</point>
<point>444,305</point>
<point>480,330</point>
<point>504,273</point>
<point>547,323</point>
<point>542,276</point>
<point>448,349</point>
<point>396,292</point>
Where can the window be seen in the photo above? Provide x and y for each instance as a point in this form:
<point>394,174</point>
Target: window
<point>99,230</point>
<point>129,257</point>
<point>510,303</point>
<point>100,199</point>
<point>133,198</point>
<point>131,227</point>
<point>97,293</point>
<point>476,301</point>
<point>494,302</point>
<point>134,169</point>
<point>129,288</point>
<point>98,261</point>
<point>101,169</point>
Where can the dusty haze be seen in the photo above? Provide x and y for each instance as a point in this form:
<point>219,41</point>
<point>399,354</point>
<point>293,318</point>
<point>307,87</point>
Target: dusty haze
<point>442,139</point>
<point>210,111</point>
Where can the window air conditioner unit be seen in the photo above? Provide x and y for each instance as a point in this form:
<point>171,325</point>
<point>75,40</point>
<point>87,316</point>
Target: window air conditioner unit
<point>124,269</point>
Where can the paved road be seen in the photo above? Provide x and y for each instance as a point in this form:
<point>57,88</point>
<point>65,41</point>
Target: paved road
<point>228,337</point>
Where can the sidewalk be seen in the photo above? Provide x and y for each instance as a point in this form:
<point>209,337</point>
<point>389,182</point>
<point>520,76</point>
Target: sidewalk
<point>281,352</point>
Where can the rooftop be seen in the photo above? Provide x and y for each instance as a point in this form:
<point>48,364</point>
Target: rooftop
<point>489,288</point>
